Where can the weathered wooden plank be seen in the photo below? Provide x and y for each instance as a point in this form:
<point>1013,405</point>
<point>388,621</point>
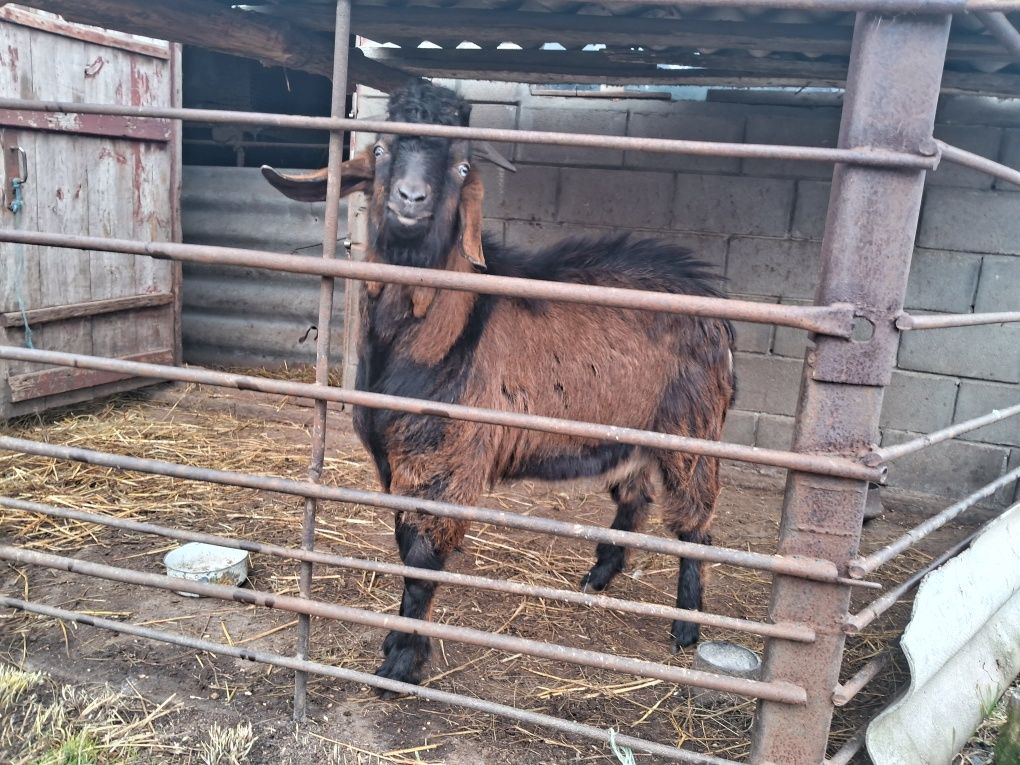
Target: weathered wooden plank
<point>226,30</point>
<point>111,178</point>
<point>81,310</point>
<point>19,264</point>
<point>542,67</point>
<point>48,22</point>
<point>35,405</point>
<point>53,381</point>
<point>60,184</point>
<point>137,128</point>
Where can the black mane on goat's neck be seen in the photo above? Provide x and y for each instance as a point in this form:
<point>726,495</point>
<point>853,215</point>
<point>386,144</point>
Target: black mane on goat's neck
<point>421,101</point>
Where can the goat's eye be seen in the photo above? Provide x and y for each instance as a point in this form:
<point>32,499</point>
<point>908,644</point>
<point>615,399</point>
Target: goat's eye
<point>379,151</point>
<point>463,169</point>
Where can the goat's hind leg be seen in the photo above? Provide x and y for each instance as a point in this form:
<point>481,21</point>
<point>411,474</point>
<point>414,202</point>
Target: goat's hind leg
<point>632,496</point>
<point>691,485</point>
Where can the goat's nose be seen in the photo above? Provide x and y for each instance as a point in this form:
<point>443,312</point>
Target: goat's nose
<point>411,191</point>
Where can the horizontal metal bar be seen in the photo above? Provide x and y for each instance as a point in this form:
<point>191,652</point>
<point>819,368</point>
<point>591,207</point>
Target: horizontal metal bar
<point>363,678</point>
<point>857,622</point>
<point>1002,29</point>
<point>774,691</point>
<point>859,156</point>
<point>836,320</point>
<point>906,321</point>
<point>851,747</point>
<point>808,463</point>
<point>976,162</point>
<point>806,568</point>
<point>796,632</point>
<point>862,566</point>
<point>849,6</point>
<point>846,691</point>
<point>889,453</point>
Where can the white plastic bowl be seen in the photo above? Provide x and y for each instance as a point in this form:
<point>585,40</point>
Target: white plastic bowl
<point>199,562</point>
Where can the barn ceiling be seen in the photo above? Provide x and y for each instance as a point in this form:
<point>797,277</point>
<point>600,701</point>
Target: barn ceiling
<point>553,41</point>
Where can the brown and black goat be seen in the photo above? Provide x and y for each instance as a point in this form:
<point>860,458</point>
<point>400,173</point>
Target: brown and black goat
<point>669,373</point>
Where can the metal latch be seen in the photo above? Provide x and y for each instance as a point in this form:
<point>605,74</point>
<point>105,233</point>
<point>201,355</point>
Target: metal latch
<point>18,181</point>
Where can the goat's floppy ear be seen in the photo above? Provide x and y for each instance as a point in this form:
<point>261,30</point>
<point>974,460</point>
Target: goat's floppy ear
<point>356,174</point>
<point>472,195</point>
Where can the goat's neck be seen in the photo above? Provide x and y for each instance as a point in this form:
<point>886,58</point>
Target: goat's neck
<point>425,322</point>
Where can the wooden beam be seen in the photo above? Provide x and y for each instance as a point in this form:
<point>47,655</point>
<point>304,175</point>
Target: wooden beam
<point>225,30</point>
<point>570,29</point>
<point>134,128</point>
<point>613,68</point>
<point>36,316</point>
<point>50,382</point>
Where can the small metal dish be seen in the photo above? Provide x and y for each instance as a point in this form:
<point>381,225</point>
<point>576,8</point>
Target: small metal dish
<point>199,562</point>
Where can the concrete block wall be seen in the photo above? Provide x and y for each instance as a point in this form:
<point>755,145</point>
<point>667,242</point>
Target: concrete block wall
<point>760,222</point>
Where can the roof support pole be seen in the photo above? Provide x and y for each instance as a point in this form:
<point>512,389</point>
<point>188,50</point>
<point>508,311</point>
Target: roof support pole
<point>869,237</point>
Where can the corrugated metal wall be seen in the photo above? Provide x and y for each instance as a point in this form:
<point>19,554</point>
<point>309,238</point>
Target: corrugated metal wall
<point>243,317</point>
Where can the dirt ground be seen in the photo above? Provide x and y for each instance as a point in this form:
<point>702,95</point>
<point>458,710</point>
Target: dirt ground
<point>347,723</point>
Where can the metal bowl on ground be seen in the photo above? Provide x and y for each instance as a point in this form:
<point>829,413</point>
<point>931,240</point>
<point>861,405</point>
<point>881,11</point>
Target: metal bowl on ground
<point>200,562</point>
<point>722,657</point>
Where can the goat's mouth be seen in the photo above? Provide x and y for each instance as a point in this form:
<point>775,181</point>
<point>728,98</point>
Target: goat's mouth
<point>408,221</point>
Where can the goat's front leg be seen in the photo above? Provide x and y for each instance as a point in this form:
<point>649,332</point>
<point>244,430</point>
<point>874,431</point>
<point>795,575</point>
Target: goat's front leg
<point>424,541</point>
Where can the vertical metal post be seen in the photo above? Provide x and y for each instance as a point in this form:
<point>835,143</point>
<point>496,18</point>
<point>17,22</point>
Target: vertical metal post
<point>357,234</point>
<point>336,146</point>
<point>892,90</point>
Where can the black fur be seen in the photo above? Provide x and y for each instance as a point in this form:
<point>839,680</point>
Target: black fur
<point>689,591</point>
<point>406,654</point>
<point>609,558</point>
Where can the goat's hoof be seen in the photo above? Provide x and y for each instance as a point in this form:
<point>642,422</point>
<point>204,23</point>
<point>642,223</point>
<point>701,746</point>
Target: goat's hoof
<point>600,576</point>
<point>685,634</point>
<point>406,657</point>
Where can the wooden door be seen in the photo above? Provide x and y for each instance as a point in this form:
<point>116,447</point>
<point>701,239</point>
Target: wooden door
<point>91,175</point>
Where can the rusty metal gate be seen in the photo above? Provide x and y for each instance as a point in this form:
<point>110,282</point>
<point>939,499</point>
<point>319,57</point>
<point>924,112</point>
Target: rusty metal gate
<point>885,148</point>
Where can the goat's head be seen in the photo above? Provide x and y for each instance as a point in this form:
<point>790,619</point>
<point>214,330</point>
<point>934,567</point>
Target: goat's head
<point>425,197</point>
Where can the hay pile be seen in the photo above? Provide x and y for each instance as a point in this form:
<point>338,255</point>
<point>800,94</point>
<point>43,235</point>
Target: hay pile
<point>172,430</point>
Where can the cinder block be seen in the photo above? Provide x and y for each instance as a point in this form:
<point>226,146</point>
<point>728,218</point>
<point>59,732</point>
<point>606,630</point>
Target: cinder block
<point>607,122</point>
<point>774,267</point>
<point>752,337</point>
<point>1010,156</point>
<point>740,427</point>
<point>706,247</point>
<point>942,281</point>
<point>528,194</point>
<point>732,205</point>
<point>767,384</point>
<point>791,129</point>
<point>528,235</point>
<point>502,116</point>
<point>985,352</point>
<point>999,289</point>
<point>918,402</point>
<point>790,342</point>
<point>487,91</point>
<point>690,127</point>
<point>951,469</point>
<point>980,398</point>
<point>973,138</point>
<point>810,210</point>
<point>774,432</point>
<point>623,198</point>
<point>972,221</point>
<point>977,110</point>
